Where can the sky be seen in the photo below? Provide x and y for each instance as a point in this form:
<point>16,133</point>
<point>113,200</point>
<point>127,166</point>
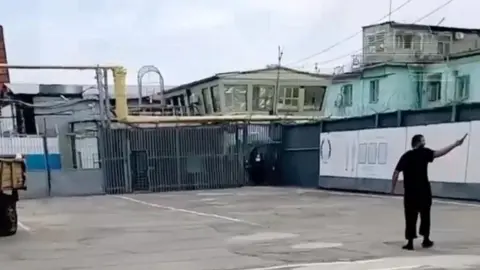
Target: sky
<point>192,39</point>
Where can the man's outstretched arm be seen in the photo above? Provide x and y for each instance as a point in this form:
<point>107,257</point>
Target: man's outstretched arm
<point>446,150</point>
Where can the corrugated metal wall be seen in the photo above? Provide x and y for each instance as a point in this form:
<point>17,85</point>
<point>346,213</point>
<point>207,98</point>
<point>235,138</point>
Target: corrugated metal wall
<point>33,149</point>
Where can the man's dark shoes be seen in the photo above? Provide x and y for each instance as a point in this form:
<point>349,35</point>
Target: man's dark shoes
<point>427,243</point>
<point>408,246</point>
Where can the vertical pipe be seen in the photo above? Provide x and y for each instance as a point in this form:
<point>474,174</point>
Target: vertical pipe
<point>107,94</point>
<point>119,80</point>
<point>100,127</point>
<point>47,159</point>
<point>101,95</point>
<point>73,146</point>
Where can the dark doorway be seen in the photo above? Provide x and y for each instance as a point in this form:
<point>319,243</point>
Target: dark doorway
<point>269,154</point>
<point>139,168</point>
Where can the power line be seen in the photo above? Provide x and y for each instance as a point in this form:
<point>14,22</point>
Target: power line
<point>416,21</point>
<point>351,36</point>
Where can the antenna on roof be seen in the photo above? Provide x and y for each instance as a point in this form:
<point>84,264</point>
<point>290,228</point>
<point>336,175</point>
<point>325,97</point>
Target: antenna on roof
<point>441,21</point>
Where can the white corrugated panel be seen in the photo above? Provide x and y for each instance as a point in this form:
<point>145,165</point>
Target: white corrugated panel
<point>87,152</point>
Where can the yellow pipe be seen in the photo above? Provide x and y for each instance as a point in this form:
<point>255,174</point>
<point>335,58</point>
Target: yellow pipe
<point>120,88</point>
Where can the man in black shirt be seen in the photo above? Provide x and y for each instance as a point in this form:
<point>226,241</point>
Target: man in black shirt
<point>417,197</point>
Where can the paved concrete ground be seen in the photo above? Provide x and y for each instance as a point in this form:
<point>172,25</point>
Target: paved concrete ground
<point>246,228</point>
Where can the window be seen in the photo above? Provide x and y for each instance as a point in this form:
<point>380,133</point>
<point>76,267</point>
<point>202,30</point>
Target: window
<point>236,98</point>
<point>207,102</point>
<point>215,95</point>
<point>262,97</point>
<point>313,98</point>
<point>382,153</point>
<point>347,95</point>
<point>371,40</point>
<point>374,91</point>
<point>462,87</point>
<point>376,42</point>
<point>380,42</point>
<point>362,153</point>
<point>407,41</point>
<point>372,153</point>
<point>434,87</point>
<point>288,98</point>
<point>443,48</point>
<point>399,41</point>
<point>417,42</point>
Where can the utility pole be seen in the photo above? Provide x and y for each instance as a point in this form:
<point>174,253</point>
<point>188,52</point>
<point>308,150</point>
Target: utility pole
<point>274,110</point>
<point>390,11</point>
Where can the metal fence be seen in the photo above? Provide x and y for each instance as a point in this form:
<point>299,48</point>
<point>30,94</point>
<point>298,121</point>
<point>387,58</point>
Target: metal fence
<point>181,157</point>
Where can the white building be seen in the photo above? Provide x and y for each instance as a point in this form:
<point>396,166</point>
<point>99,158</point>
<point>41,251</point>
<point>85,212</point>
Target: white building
<point>253,92</point>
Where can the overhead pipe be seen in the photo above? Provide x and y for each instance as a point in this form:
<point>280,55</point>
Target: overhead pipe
<point>215,118</point>
<point>56,67</point>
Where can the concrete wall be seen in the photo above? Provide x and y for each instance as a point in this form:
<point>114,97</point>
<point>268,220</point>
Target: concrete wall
<point>365,159</point>
<point>63,183</point>
<point>360,153</point>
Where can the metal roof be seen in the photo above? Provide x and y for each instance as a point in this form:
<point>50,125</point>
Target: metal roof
<point>435,28</point>
<point>233,73</point>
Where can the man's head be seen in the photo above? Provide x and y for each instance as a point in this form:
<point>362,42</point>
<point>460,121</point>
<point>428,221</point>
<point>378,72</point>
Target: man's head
<point>418,141</point>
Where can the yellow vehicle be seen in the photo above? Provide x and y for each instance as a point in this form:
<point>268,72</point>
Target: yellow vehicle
<point>12,179</point>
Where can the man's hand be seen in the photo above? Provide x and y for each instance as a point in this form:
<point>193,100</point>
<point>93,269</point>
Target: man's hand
<point>460,142</point>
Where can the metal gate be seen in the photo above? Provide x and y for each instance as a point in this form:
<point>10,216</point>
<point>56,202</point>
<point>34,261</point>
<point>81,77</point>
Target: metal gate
<point>179,157</point>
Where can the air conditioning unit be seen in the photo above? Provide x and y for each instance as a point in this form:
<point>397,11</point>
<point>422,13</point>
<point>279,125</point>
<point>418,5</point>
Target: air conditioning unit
<point>459,35</point>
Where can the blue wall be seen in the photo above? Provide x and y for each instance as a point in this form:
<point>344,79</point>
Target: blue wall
<point>402,87</point>
<point>397,91</point>
<point>37,162</point>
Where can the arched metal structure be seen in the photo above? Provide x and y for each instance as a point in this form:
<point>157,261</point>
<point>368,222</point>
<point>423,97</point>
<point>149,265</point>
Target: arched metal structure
<point>141,73</point>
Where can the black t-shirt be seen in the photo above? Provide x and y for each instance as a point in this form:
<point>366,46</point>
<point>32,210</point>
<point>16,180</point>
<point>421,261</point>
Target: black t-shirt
<point>414,165</point>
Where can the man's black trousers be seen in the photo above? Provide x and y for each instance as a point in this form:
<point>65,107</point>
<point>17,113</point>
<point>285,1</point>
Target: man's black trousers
<point>414,206</point>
